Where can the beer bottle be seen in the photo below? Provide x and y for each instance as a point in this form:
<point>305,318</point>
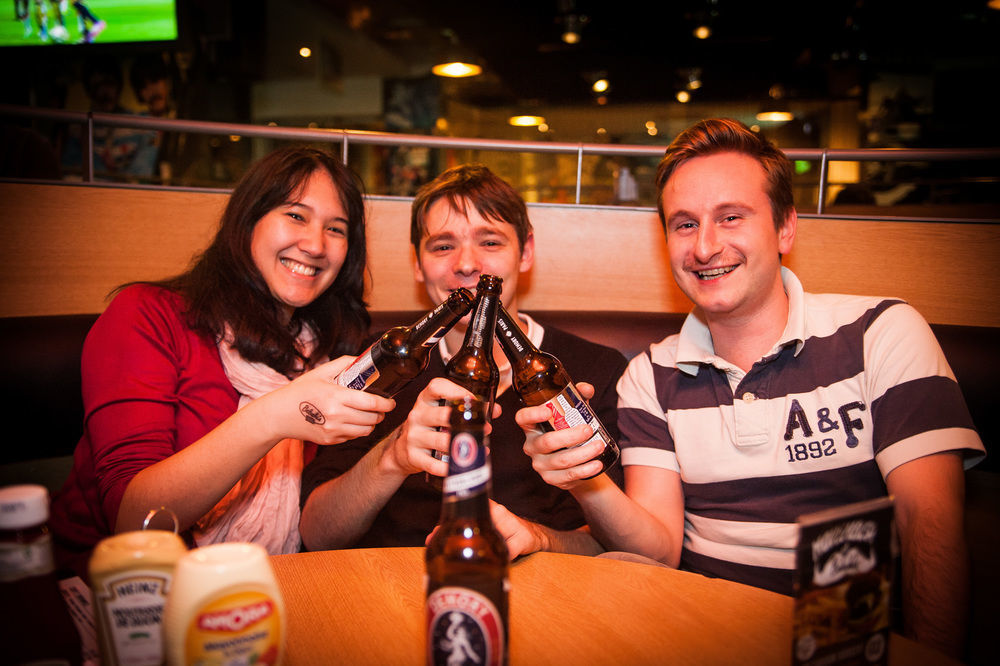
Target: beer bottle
<point>402,352</point>
<point>473,367</point>
<point>540,379</point>
<point>467,557</point>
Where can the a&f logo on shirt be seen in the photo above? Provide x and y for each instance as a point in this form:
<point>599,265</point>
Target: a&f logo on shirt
<point>799,425</point>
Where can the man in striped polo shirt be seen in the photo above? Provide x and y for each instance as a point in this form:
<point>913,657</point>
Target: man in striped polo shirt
<point>772,402</point>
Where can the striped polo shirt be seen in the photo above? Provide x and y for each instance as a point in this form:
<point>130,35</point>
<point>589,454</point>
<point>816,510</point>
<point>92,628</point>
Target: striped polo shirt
<point>855,387</point>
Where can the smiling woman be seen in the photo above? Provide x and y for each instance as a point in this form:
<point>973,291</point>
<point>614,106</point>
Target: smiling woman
<point>300,246</point>
<point>204,392</point>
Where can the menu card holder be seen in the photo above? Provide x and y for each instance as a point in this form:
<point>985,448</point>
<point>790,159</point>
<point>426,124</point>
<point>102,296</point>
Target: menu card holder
<point>843,584</point>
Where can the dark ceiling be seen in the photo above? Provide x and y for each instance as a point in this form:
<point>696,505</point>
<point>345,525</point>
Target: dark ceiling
<point>814,49</point>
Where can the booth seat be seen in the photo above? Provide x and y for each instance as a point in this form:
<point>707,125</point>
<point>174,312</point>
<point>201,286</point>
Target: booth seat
<point>40,366</point>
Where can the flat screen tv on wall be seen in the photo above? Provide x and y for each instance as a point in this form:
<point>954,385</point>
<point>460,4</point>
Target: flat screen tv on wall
<point>59,23</point>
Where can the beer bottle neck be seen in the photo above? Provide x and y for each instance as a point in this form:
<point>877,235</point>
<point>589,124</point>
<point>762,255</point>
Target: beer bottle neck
<point>515,342</point>
<point>467,486</point>
<point>473,508</point>
<point>438,321</point>
<point>480,333</point>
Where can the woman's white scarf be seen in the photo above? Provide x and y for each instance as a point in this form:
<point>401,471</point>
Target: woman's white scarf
<point>263,506</point>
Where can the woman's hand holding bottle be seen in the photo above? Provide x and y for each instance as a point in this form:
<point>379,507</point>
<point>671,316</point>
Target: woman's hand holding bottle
<point>314,408</point>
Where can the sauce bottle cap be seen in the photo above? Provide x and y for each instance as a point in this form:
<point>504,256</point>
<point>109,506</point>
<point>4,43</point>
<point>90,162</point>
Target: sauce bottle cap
<point>24,505</point>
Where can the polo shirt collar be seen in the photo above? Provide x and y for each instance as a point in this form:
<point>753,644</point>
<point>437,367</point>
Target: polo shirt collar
<point>695,347</point>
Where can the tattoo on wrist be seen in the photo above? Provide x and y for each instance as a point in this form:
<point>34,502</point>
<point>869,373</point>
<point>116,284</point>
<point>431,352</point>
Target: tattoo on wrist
<point>312,414</point>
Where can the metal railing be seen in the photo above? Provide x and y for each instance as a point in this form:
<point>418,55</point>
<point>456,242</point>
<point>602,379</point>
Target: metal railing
<point>347,138</point>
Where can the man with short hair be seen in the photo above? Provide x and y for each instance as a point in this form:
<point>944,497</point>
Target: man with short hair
<point>772,402</point>
<point>373,491</point>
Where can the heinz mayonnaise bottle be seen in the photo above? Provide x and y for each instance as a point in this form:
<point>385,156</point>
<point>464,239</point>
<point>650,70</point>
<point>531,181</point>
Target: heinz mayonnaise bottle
<point>224,608</point>
<point>130,575</point>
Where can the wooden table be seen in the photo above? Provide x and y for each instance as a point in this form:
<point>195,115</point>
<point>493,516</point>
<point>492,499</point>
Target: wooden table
<point>366,606</point>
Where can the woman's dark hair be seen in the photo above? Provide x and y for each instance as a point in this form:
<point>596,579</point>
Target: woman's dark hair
<point>224,286</point>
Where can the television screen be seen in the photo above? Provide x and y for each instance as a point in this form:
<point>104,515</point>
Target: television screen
<point>57,22</point>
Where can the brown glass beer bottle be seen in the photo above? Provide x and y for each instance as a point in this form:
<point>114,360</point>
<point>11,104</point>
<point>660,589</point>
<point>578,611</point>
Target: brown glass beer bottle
<point>473,367</point>
<point>402,352</point>
<point>540,379</point>
<point>466,558</point>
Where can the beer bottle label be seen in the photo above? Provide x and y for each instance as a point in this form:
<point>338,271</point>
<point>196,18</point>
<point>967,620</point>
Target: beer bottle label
<point>468,471</point>
<point>463,627</point>
<point>363,372</point>
<point>568,408</point>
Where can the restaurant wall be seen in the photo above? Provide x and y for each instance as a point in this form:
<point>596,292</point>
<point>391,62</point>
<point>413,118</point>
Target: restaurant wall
<point>64,247</point>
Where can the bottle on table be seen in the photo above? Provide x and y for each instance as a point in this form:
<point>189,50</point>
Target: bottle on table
<point>37,626</point>
<point>225,607</point>
<point>130,577</point>
<point>540,379</point>
<point>402,352</point>
<point>466,559</point>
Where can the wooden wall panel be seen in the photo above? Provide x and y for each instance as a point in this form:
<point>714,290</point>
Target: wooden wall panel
<point>63,247</point>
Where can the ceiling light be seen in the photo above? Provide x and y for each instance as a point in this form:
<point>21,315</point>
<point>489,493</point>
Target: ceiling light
<point>774,110</point>
<point>543,127</point>
<point>305,52</point>
<point>774,116</point>
<point>683,96</point>
<point>702,32</point>
<point>573,27</point>
<point>455,62</point>
<point>601,85</point>
<point>526,121</point>
<point>457,70</point>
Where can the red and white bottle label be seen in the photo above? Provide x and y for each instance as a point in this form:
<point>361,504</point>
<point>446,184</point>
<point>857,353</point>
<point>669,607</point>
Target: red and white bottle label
<point>463,627</point>
<point>568,409</point>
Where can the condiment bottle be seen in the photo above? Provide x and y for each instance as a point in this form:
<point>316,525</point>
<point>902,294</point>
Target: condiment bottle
<point>224,608</point>
<point>37,627</point>
<point>130,576</point>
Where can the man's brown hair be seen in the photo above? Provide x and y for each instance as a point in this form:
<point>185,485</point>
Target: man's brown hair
<point>724,135</point>
<point>474,184</point>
